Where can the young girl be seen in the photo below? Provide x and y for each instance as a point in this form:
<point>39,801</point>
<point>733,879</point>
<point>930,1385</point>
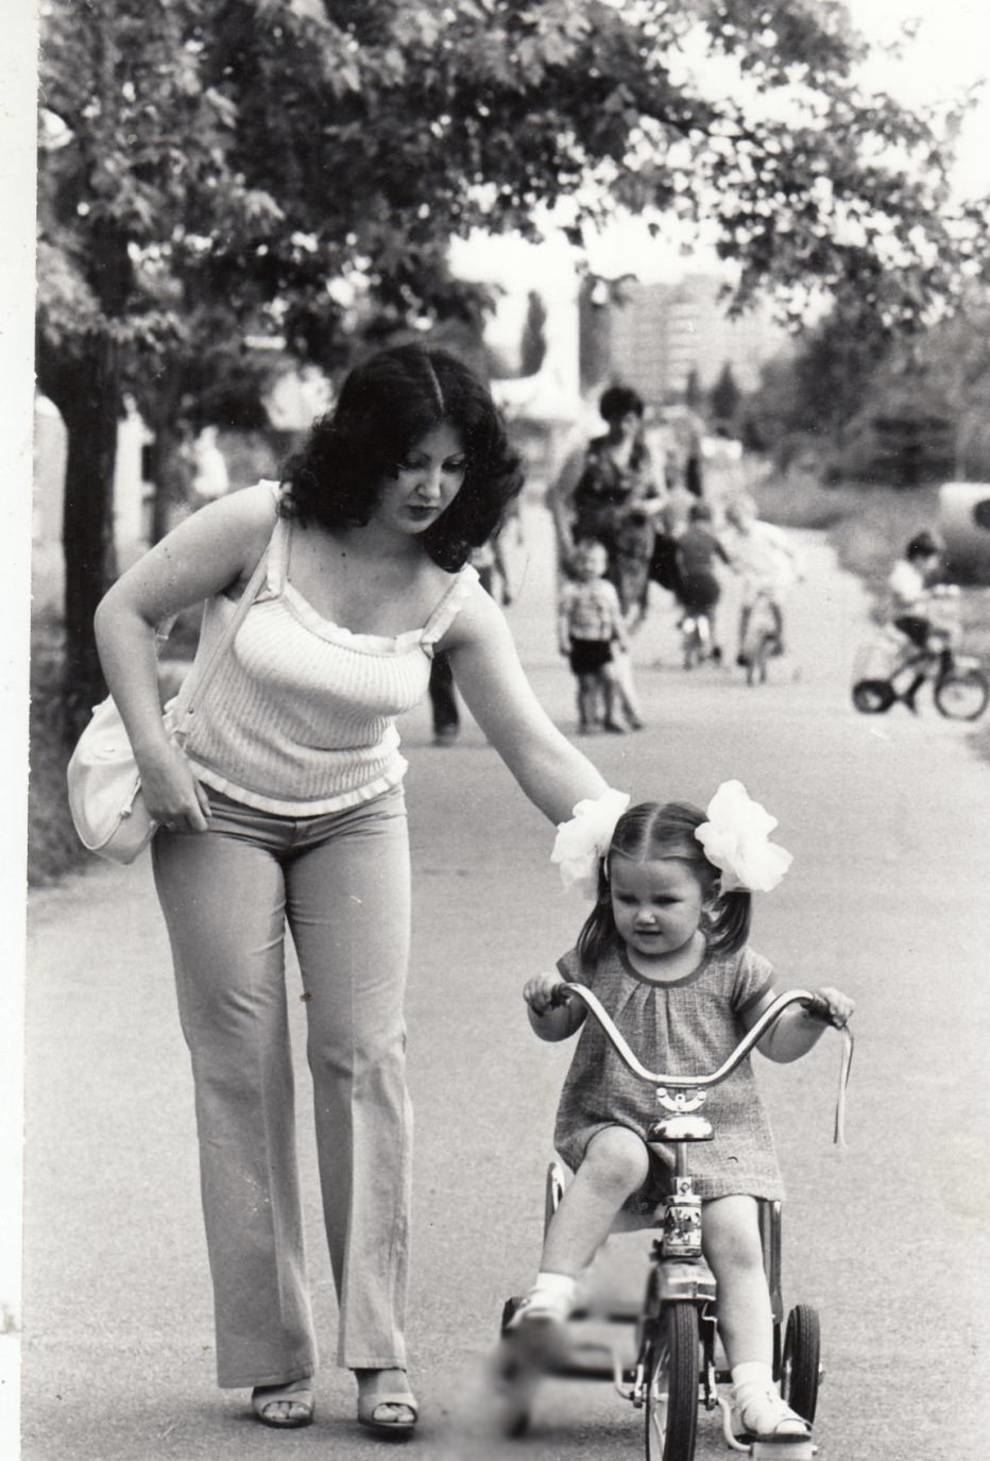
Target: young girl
<point>665,950</point>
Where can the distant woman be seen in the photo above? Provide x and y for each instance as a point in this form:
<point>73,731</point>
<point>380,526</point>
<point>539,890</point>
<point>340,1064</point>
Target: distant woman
<point>609,493</point>
<point>284,810</point>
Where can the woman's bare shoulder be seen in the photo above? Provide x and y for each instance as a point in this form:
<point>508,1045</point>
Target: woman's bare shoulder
<point>478,618</point>
<point>221,542</point>
<point>254,508</point>
<point>244,518</point>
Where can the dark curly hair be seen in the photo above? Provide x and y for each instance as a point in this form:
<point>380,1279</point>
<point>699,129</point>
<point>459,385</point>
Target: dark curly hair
<point>648,831</point>
<point>386,405</point>
<point>619,401</point>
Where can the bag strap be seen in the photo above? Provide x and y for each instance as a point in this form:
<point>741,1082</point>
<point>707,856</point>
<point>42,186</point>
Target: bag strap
<point>195,687</point>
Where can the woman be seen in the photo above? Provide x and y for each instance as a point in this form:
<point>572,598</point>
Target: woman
<point>285,808</point>
<point>609,492</point>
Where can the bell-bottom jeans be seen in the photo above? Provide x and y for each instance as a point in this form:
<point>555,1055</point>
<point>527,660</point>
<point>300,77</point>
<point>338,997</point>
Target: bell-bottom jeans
<point>340,882</point>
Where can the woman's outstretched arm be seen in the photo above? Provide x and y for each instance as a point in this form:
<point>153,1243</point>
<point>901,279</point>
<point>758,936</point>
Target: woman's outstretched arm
<point>553,773</point>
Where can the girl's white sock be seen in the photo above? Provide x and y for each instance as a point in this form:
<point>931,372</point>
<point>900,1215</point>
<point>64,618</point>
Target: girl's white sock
<point>552,1293</point>
<point>754,1373</point>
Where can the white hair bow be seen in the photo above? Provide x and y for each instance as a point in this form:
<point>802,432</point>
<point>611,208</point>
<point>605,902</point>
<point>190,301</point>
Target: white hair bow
<point>582,842</point>
<point>736,840</point>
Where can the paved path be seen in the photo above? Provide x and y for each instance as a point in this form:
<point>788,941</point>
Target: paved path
<point>887,897</point>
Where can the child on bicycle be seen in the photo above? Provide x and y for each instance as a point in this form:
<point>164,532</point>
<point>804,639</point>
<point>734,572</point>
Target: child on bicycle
<point>665,950</point>
<point>768,564</point>
<point>590,627</point>
<point>914,582</point>
<point>698,589</point>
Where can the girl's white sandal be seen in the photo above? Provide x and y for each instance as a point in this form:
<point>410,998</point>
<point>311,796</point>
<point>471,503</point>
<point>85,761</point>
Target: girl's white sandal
<point>766,1417</point>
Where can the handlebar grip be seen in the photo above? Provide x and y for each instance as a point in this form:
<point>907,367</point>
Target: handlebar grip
<point>817,1006</point>
<point>820,1009</point>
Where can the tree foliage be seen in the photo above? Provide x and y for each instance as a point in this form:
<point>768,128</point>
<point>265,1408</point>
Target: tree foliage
<point>876,408</point>
<point>212,167</point>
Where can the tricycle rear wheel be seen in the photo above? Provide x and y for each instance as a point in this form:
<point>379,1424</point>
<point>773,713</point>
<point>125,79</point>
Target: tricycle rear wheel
<point>672,1385</point>
<point>801,1364</point>
<point>873,697</point>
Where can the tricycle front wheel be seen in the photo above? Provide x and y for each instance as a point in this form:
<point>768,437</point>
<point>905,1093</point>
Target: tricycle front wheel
<point>672,1385</point>
<point>801,1364</point>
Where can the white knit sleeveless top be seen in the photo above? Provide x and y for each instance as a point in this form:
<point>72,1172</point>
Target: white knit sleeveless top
<point>298,718</point>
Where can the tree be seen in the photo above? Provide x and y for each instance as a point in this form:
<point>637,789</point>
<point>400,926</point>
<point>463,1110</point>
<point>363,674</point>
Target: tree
<point>813,392</point>
<point>725,396</point>
<point>216,166</point>
<point>903,410</point>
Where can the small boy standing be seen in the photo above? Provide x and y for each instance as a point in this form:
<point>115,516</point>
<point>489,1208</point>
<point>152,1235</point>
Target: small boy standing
<point>589,623</point>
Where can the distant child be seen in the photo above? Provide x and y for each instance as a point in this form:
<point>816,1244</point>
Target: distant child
<point>698,589</point>
<point>665,951</point>
<point>914,582</point>
<point>590,625</point>
<point>764,556</point>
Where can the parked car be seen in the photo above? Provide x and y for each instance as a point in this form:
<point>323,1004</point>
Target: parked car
<point>964,527</point>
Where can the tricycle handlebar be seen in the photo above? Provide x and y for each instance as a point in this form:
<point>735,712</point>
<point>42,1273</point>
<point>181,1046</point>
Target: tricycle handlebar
<point>752,1037</point>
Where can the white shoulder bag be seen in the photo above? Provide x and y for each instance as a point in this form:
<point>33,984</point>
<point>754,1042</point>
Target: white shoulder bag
<point>105,799</point>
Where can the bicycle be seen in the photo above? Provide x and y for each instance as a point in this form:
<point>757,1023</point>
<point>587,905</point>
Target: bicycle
<point>697,644</point>
<point>762,639</point>
<point>890,669</point>
<point>677,1353</point>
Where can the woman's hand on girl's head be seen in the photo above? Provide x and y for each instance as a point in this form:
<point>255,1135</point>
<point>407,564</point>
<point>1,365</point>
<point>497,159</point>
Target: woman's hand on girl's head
<point>545,992</point>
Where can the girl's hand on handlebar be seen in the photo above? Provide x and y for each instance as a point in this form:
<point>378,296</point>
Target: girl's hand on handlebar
<point>831,1006</point>
<point>544,993</point>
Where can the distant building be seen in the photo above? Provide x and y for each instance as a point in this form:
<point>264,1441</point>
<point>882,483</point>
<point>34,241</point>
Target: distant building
<point>664,332</point>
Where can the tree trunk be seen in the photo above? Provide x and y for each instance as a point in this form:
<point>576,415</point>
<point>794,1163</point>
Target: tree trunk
<point>90,407</point>
<point>170,473</point>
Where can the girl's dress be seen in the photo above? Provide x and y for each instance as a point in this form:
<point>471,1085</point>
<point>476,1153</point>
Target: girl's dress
<point>687,1027</point>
